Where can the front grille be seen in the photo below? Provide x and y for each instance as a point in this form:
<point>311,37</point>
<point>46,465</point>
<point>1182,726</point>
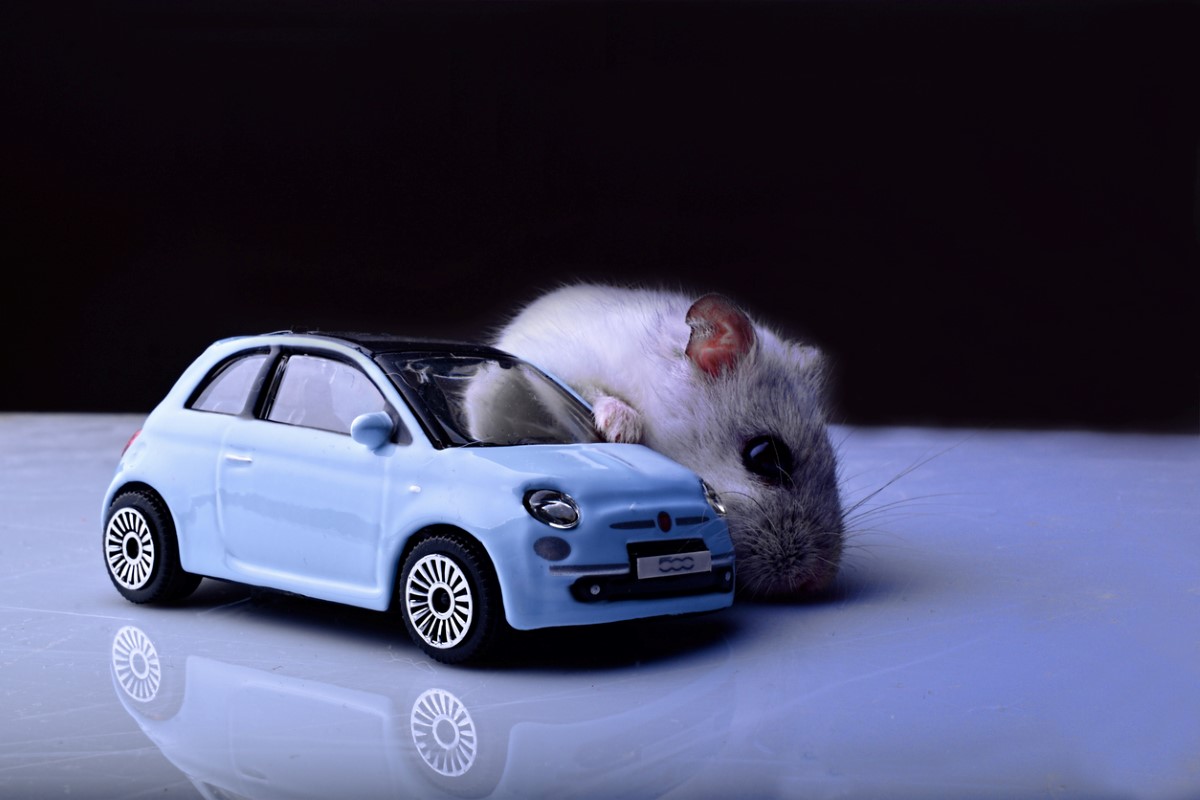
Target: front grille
<point>639,524</point>
<point>664,547</point>
<point>633,525</point>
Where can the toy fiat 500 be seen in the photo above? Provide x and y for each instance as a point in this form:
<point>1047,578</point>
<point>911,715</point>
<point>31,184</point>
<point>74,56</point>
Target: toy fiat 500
<point>455,481</point>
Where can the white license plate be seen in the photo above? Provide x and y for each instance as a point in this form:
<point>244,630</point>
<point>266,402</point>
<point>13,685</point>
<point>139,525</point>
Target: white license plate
<point>677,564</point>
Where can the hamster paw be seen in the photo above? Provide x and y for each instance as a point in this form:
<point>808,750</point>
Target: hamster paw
<point>617,420</point>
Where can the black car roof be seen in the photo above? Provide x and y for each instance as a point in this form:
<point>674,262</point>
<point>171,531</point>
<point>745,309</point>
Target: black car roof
<point>372,344</point>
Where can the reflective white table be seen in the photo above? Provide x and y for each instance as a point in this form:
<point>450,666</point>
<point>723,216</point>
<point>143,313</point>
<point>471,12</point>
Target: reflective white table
<point>1019,618</point>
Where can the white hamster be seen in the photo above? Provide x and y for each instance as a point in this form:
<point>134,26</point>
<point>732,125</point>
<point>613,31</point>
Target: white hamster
<point>699,381</point>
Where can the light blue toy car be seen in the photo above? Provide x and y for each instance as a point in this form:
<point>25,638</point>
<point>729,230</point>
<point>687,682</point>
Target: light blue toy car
<point>454,480</point>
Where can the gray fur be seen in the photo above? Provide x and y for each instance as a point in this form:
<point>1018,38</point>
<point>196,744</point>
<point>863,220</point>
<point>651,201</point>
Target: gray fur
<point>625,347</point>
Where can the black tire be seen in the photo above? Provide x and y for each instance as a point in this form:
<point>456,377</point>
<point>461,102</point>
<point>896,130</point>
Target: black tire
<point>141,552</point>
<point>450,599</point>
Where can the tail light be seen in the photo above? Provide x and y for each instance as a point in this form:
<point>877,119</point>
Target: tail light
<point>131,438</point>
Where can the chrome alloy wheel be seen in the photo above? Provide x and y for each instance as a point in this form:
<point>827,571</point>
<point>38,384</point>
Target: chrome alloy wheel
<point>438,600</point>
<point>129,548</point>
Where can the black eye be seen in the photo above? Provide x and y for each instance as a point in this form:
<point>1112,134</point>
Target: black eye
<point>768,458</point>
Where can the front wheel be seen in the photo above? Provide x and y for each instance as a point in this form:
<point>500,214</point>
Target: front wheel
<point>141,552</point>
<point>450,599</point>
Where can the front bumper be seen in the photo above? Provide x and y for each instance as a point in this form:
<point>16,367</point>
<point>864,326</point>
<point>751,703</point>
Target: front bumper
<point>599,581</point>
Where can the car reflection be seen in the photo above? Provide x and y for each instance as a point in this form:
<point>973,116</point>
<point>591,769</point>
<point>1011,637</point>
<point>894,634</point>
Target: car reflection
<point>239,728</point>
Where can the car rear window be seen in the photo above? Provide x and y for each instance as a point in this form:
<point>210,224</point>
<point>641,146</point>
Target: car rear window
<point>227,388</point>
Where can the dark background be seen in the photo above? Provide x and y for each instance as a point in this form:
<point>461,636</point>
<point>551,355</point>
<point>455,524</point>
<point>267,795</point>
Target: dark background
<point>986,212</point>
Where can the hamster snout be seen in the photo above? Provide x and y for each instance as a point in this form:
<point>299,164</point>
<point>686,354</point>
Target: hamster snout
<point>698,381</point>
<point>787,524</point>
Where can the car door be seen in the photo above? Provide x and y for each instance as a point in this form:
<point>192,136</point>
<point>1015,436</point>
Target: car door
<point>300,502</point>
<point>194,445</point>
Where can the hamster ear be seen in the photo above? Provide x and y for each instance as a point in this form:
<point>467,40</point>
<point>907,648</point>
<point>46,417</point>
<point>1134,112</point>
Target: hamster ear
<point>721,334</point>
<point>809,359</point>
<point>813,369</point>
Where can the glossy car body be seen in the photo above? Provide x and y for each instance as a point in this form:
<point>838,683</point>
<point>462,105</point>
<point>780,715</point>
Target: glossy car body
<point>263,488</point>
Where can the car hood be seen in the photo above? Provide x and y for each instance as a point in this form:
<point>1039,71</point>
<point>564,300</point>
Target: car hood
<point>627,467</point>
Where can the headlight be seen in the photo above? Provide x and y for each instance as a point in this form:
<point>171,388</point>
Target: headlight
<point>714,499</point>
<point>554,508</point>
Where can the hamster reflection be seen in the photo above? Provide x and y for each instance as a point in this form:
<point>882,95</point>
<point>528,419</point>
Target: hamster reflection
<point>237,730</point>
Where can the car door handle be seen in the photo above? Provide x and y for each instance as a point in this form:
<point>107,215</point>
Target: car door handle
<point>240,458</point>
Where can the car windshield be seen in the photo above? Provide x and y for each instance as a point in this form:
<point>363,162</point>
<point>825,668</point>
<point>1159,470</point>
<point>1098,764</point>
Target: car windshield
<point>490,401</point>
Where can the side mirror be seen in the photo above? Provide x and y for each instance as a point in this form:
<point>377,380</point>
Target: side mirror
<point>372,430</point>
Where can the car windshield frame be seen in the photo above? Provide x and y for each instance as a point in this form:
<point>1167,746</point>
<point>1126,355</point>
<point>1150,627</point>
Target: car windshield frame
<point>487,400</point>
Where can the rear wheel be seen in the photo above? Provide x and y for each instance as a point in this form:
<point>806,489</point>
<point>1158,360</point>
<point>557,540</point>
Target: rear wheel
<point>141,552</point>
<point>450,598</point>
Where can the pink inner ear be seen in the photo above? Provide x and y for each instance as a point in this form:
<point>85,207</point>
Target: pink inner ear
<point>721,334</point>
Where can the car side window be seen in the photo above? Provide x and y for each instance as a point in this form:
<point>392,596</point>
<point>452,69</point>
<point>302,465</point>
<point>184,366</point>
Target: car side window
<point>227,389</point>
<point>322,393</point>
